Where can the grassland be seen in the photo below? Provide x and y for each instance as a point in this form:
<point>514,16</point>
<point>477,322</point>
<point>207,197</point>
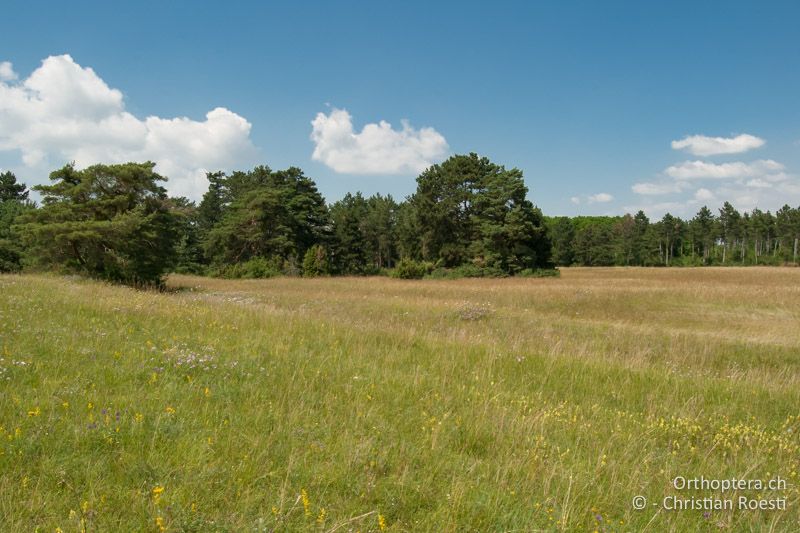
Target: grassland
<point>368,404</point>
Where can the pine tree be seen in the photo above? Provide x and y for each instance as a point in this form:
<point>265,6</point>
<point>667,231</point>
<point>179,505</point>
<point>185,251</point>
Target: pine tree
<point>10,190</point>
<point>267,214</point>
<point>641,246</point>
<point>113,222</point>
<point>702,231</point>
<point>562,234</point>
<point>348,215</point>
<point>209,212</point>
<point>472,211</point>
<point>728,223</point>
<point>13,203</point>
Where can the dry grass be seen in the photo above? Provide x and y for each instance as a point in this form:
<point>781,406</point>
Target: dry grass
<point>691,318</point>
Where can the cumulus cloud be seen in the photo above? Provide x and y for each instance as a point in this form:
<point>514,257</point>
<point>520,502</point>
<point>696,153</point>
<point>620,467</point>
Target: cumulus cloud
<point>704,146</point>
<point>689,170</point>
<point>377,148</point>
<point>65,112</point>
<point>575,200</point>
<point>758,182</point>
<point>763,183</point>
<point>601,197</point>
<point>703,195</point>
<point>743,194</point>
<point>7,71</point>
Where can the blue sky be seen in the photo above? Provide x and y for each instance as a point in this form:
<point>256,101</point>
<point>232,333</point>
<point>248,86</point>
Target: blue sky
<point>585,97</point>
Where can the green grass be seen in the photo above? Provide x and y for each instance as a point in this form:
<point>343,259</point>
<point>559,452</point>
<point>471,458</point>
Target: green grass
<point>467,405</point>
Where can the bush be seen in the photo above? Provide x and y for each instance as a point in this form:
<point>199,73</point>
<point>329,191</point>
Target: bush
<point>315,262</point>
<point>259,267</point>
<point>410,269</point>
<point>191,270</point>
<point>467,271</point>
<point>539,273</point>
<point>255,268</point>
<point>474,271</point>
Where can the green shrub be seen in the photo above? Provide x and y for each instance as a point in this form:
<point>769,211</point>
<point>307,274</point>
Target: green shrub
<point>410,269</point>
<point>259,267</point>
<point>539,273</point>
<point>467,271</point>
<point>255,268</point>
<point>474,271</point>
<point>315,262</point>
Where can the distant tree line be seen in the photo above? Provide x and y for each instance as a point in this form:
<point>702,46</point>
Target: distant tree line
<point>468,217</point>
<point>726,237</point>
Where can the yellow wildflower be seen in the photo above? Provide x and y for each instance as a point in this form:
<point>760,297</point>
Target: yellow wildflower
<point>156,493</point>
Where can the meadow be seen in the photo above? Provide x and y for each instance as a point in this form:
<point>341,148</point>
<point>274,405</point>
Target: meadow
<point>375,404</point>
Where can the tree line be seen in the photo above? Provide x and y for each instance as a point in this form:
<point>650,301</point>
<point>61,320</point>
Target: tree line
<point>468,217</point>
<point>726,237</point>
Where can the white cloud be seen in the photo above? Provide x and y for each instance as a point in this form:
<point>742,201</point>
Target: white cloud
<point>763,183</point>
<point>657,210</point>
<point>704,170</point>
<point>575,200</point>
<point>744,195</point>
<point>704,146</point>
<point>7,71</point>
<point>601,197</point>
<point>377,149</point>
<point>703,195</point>
<point>759,183</point>
<point>653,189</point>
<point>64,112</point>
